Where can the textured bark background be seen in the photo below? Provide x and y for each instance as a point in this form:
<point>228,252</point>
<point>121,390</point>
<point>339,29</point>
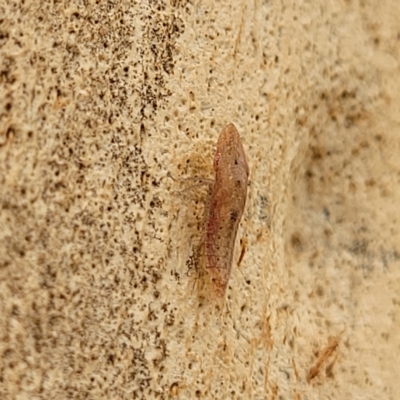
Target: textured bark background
<point>106,108</point>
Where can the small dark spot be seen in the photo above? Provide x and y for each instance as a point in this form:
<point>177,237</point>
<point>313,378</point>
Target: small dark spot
<point>370,182</point>
<point>296,241</point>
<point>359,246</point>
<point>15,310</point>
<point>234,215</point>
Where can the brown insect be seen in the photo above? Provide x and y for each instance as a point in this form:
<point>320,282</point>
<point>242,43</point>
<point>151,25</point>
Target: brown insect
<point>228,199</point>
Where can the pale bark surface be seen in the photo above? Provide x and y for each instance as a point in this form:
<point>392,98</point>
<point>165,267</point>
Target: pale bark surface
<point>107,112</point>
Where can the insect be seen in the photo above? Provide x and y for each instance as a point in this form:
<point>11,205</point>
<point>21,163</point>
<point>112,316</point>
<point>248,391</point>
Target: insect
<point>227,202</point>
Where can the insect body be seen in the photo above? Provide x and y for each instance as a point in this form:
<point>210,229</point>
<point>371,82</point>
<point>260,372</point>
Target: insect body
<point>228,199</point>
